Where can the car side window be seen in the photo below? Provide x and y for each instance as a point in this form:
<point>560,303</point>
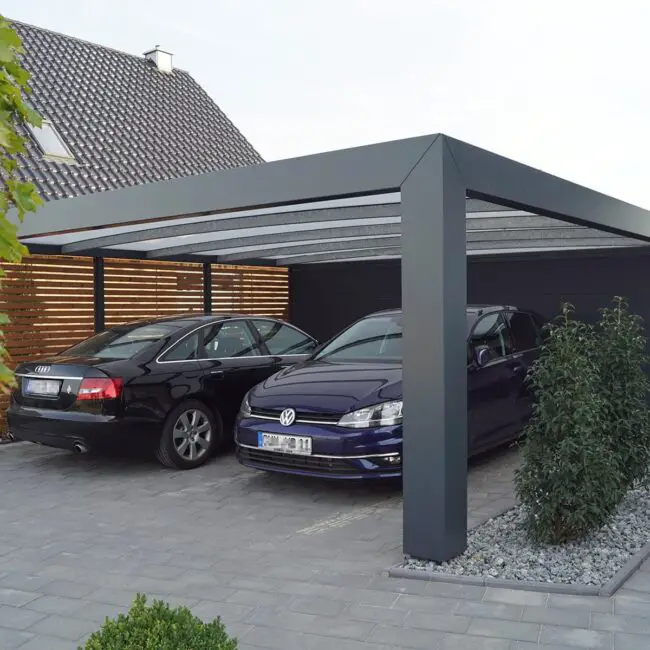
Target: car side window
<point>492,332</point>
<point>525,333</point>
<point>282,339</point>
<point>185,350</point>
<point>228,340</point>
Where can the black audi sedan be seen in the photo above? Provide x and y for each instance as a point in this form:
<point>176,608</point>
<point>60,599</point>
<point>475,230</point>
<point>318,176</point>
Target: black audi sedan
<point>175,383</point>
<point>338,414</point>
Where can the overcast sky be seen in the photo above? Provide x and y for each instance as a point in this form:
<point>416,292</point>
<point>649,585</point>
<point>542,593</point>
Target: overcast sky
<point>563,86</point>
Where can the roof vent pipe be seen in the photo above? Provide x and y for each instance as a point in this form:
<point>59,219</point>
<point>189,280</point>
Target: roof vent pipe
<point>162,59</point>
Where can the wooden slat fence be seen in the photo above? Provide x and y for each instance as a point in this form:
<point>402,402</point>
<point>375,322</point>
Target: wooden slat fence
<point>50,299</point>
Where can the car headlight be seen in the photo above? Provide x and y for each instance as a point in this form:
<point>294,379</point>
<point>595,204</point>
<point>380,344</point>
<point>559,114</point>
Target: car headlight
<point>379,415</point>
<point>245,408</point>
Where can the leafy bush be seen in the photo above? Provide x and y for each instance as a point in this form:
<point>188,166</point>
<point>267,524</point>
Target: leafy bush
<point>570,482</point>
<point>624,384</point>
<point>158,627</point>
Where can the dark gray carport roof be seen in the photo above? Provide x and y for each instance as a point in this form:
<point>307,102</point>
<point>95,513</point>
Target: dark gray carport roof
<point>178,220</point>
<point>435,177</point>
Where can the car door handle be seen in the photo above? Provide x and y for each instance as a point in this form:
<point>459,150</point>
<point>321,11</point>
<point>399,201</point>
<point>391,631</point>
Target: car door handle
<point>519,369</point>
<point>217,374</point>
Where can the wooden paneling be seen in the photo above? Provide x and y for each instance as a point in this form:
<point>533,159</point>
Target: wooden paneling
<point>50,303</point>
<point>139,289</point>
<point>262,291</point>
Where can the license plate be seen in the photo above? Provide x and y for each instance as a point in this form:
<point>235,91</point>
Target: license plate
<point>49,387</point>
<point>299,445</point>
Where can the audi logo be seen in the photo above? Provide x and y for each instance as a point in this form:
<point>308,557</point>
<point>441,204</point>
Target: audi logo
<point>43,368</point>
<point>287,417</point>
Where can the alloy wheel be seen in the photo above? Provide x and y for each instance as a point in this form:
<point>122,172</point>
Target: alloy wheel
<point>192,434</point>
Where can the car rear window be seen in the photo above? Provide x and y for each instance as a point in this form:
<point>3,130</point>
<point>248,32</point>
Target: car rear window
<point>121,343</point>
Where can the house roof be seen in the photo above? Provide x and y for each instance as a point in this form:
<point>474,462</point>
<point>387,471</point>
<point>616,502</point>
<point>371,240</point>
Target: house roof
<point>125,122</point>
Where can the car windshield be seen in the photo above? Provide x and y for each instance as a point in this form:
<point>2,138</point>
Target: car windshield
<point>120,343</point>
<point>375,338</point>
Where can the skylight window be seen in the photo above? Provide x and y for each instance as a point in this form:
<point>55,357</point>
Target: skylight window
<point>50,142</point>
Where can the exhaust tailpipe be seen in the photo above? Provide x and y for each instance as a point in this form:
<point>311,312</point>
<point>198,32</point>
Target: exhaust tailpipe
<point>10,437</point>
<point>79,448</point>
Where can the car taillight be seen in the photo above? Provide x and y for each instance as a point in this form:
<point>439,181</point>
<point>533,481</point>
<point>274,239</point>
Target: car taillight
<point>96,389</point>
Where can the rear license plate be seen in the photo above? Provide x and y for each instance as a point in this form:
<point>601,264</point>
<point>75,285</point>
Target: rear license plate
<point>299,445</point>
<point>47,387</point>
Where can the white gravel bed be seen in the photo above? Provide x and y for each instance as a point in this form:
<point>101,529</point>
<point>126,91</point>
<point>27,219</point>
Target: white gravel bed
<point>499,549</point>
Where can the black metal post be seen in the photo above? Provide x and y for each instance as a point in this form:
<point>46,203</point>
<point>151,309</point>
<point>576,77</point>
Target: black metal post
<point>207,288</point>
<point>98,285</point>
<point>434,302</point>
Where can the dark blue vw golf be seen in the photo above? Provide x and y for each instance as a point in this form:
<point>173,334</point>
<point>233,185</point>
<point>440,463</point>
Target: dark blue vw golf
<point>339,413</point>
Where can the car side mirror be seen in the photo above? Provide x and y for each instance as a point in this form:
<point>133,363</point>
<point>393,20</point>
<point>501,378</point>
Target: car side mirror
<point>482,356</point>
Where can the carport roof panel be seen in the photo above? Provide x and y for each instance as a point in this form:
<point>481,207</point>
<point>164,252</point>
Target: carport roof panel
<point>335,198</point>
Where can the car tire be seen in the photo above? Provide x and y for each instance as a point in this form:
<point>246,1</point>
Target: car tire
<point>190,436</point>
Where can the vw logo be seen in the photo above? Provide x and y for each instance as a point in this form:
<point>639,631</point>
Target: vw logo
<point>287,417</point>
<point>43,368</point>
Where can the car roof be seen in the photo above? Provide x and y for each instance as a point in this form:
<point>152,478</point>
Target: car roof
<point>475,310</point>
<point>185,320</point>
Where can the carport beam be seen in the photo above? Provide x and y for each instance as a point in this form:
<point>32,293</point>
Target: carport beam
<point>434,302</point>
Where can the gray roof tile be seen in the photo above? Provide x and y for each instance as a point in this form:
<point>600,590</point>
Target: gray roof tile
<point>125,122</point>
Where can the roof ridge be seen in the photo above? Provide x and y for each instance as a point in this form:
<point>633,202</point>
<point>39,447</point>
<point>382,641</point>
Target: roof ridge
<point>84,41</point>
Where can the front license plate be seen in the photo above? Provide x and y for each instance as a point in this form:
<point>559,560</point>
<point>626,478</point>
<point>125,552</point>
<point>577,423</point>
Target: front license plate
<point>299,445</point>
<point>48,387</point>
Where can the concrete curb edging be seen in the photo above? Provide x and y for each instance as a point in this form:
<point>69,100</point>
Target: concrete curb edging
<point>606,590</point>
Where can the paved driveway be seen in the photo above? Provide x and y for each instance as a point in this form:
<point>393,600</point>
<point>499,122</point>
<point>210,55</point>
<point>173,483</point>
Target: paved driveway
<point>288,564</point>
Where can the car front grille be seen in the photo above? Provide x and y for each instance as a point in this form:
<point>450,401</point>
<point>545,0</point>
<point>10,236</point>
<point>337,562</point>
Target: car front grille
<point>272,459</point>
<point>301,416</point>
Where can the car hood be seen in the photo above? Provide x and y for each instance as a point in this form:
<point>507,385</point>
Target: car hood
<point>325,387</point>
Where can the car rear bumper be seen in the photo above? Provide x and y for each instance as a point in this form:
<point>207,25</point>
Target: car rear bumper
<point>66,430</point>
<point>336,453</point>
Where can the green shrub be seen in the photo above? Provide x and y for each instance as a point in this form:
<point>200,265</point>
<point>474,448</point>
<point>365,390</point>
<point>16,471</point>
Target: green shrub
<point>158,627</point>
<point>569,482</point>
<point>624,384</point>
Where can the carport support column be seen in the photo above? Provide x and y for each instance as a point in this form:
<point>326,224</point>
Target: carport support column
<point>434,301</point>
<point>207,288</point>
<point>98,293</point>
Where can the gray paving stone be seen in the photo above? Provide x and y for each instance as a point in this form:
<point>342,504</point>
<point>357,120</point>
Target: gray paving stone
<point>385,615</point>
<point>639,582</point>
<point>16,597</point>
<point>229,613</point>
<point>10,638</point>
<point>24,582</point>
<point>557,617</point>
<point>317,605</point>
<point>97,612</point>
<point>433,605</point>
<point>54,605</point>
<point>490,610</point>
<point>465,642</point>
<point>67,588</point>
<point>576,638</point>
<point>632,606</point>
<point>583,603</point>
<point>63,627</point>
<point>403,637</point>
<point>515,597</point>
<point>630,642</point>
<point>437,622</point>
<point>18,618</point>
<point>309,623</point>
<point>621,623</point>
<point>504,629</point>
<point>42,642</point>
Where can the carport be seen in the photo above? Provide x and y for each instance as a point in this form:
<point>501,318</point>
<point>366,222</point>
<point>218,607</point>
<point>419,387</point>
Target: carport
<point>425,200</point>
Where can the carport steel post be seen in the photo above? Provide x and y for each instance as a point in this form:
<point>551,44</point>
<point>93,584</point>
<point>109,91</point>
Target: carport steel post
<point>434,174</point>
